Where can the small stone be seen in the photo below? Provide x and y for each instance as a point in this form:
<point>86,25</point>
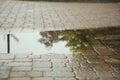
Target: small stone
<point>112,60</point>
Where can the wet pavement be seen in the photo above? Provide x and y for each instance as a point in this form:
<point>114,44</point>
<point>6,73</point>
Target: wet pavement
<point>88,54</point>
<point>40,48</point>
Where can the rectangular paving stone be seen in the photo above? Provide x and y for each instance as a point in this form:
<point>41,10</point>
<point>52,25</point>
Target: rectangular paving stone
<point>58,74</point>
<point>19,64</point>
<point>6,56</point>
<point>4,75</point>
<point>6,60</point>
<point>4,68</point>
<point>41,60</point>
<point>22,56</point>
<point>59,60</point>
<point>62,69</point>
<point>23,60</point>
<point>22,78</point>
<point>82,75</point>
<point>34,74</point>
<point>21,68</point>
<point>42,64</point>
<point>1,63</point>
<point>17,74</point>
<point>53,56</point>
<point>42,69</point>
<point>34,56</point>
<point>65,78</point>
<point>58,64</point>
<point>43,78</point>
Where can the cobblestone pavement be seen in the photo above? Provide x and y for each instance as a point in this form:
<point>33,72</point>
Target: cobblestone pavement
<point>16,14</point>
<point>35,67</point>
<point>84,66</point>
<point>21,15</point>
<point>99,64</point>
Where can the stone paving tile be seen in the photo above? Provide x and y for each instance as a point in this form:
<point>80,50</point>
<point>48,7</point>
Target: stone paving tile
<point>18,64</point>
<point>4,75</point>
<point>21,68</point>
<point>34,74</point>
<point>65,79</point>
<point>23,60</point>
<point>59,74</point>
<point>42,64</point>
<point>17,74</point>
<point>44,69</point>
<point>43,78</point>
<point>6,56</point>
<point>57,16</point>
<point>22,78</point>
<point>4,68</point>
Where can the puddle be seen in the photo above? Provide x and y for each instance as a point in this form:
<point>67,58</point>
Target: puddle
<point>62,42</point>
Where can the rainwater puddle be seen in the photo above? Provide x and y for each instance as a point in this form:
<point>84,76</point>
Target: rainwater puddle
<point>61,42</point>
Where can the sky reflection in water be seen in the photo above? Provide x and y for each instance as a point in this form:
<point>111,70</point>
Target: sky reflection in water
<point>61,42</point>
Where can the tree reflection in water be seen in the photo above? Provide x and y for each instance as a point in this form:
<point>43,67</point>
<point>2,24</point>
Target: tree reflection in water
<point>78,40</point>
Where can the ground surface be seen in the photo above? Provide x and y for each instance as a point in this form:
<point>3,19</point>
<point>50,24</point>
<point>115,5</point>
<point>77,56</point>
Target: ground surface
<point>16,16</point>
<point>85,66</point>
<point>56,16</point>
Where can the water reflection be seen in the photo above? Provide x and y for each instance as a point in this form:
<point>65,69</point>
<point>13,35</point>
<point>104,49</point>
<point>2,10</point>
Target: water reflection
<point>81,40</point>
<point>65,41</point>
<point>28,43</point>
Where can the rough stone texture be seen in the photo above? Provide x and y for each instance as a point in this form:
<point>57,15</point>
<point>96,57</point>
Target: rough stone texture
<point>23,60</point>
<point>58,74</point>
<point>47,67</point>
<point>22,78</point>
<point>43,78</point>
<point>6,56</point>
<point>53,56</point>
<point>56,16</point>
<point>34,74</point>
<point>17,74</point>
<point>65,78</point>
<point>64,69</point>
<point>20,64</point>
<point>60,64</point>
<point>42,69</point>
<point>4,68</point>
<point>4,75</point>
<point>21,68</point>
<point>42,64</point>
